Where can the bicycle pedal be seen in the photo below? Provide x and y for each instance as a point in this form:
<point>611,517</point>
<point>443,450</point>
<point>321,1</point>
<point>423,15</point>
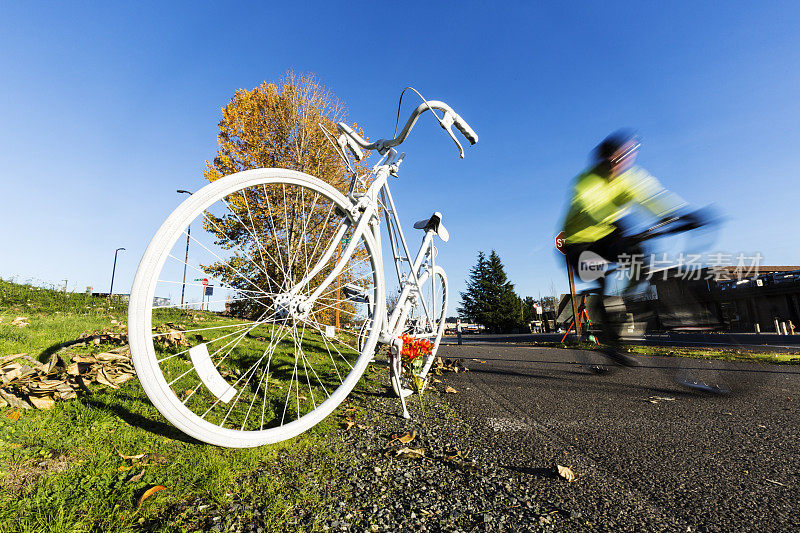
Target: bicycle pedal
<point>355,293</point>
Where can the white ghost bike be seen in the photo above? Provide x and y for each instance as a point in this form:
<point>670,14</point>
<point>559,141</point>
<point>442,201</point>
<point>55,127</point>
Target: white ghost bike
<point>282,298</point>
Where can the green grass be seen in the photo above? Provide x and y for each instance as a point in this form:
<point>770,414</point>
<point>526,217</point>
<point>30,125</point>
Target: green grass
<point>54,317</point>
<point>734,353</point>
<point>60,469</point>
<point>296,385</point>
<point>724,354</point>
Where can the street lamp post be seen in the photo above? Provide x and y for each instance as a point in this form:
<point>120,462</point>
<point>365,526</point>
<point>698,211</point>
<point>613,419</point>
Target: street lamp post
<point>186,259</point>
<point>113,271</point>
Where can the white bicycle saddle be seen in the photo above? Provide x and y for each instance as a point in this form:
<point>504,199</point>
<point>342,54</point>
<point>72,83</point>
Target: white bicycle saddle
<point>434,223</point>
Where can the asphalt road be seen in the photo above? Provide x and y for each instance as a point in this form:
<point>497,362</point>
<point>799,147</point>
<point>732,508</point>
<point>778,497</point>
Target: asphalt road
<point>749,341</point>
<point>650,455</point>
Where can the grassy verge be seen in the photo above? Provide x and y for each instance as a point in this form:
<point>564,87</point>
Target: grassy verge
<point>734,353</point>
<point>85,464</point>
<point>724,354</point>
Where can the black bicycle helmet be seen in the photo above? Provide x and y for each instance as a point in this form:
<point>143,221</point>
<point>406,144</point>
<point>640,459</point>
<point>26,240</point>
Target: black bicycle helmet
<point>604,151</point>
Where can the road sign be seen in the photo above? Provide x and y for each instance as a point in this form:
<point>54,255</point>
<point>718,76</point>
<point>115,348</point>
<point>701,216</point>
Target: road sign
<point>205,282</point>
<point>345,240</point>
<point>210,290</point>
<point>560,243</point>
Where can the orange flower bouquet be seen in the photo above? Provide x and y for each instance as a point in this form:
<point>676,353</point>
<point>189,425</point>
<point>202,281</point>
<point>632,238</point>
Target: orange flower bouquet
<point>412,357</point>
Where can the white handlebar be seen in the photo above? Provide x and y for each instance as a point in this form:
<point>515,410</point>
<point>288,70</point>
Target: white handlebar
<point>451,118</point>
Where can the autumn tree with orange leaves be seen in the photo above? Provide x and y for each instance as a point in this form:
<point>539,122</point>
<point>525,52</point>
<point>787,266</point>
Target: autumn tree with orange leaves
<point>275,125</point>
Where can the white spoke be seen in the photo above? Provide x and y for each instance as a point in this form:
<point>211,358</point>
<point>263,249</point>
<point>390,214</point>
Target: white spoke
<point>221,285</point>
<point>243,324</point>
<point>253,225</point>
<point>254,284</point>
<point>316,327</point>
<point>274,233</point>
<point>232,386</point>
<point>288,238</point>
<point>322,232</point>
<point>209,342</point>
<point>241,247</point>
<point>235,343</point>
<point>209,302</point>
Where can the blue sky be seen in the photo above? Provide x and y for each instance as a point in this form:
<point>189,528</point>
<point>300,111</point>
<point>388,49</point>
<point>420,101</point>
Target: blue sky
<point>108,109</point>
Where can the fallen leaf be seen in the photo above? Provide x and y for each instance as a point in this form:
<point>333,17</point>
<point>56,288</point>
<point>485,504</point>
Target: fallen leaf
<point>122,378</point>
<point>656,399</point>
<point>131,457</point>
<point>20,322</point>
<point>137,477</point>
<point>149,492</point>
<point>45,385</point>
<point>348,425</point>
<point>410,453</point>
<point>123,468</point>
<point>405,438</point>
<point>566,472</point>
<point>105,379</point>
<point>13,415</point>
<point>8,358</point>
<point>122,349</point>
<point>42,402</point>
<point>13,400</point>
<point>450,390</point>
<point>51,364</point>
<point>111,357</point>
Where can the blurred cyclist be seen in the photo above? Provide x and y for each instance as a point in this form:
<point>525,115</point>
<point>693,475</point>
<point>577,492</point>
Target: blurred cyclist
<point>600,198</point>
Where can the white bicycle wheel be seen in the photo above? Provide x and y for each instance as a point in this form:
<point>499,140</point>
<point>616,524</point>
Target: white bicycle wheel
<point>249,362</point>
<point>429,324</point>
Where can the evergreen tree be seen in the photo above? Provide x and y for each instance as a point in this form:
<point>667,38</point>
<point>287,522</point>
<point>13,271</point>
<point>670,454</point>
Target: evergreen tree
<point>504,303</point>
<point>473,300</point>
<point>490,299</point>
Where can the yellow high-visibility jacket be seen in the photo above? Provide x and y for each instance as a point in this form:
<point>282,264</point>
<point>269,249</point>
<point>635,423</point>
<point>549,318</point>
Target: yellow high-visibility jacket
<point>597,203</point>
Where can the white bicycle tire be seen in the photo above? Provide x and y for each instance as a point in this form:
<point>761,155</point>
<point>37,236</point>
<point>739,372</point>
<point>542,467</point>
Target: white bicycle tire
<point>437,270</point>
<point>140,320</point>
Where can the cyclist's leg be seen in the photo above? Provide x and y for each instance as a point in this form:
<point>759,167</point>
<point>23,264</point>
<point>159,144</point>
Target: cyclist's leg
<point>573,253</point>
<point>612,247</point>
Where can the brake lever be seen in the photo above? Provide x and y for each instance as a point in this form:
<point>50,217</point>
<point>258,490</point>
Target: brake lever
<point>447,125</point>
<point>345,141</point>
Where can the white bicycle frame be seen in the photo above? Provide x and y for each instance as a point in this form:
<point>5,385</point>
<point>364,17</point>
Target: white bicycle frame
<point>365,215</point>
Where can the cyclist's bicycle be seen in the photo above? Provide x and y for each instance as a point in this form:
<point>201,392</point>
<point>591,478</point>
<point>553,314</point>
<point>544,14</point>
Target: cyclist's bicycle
<point>618,312</point>
<point>297,304</point>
